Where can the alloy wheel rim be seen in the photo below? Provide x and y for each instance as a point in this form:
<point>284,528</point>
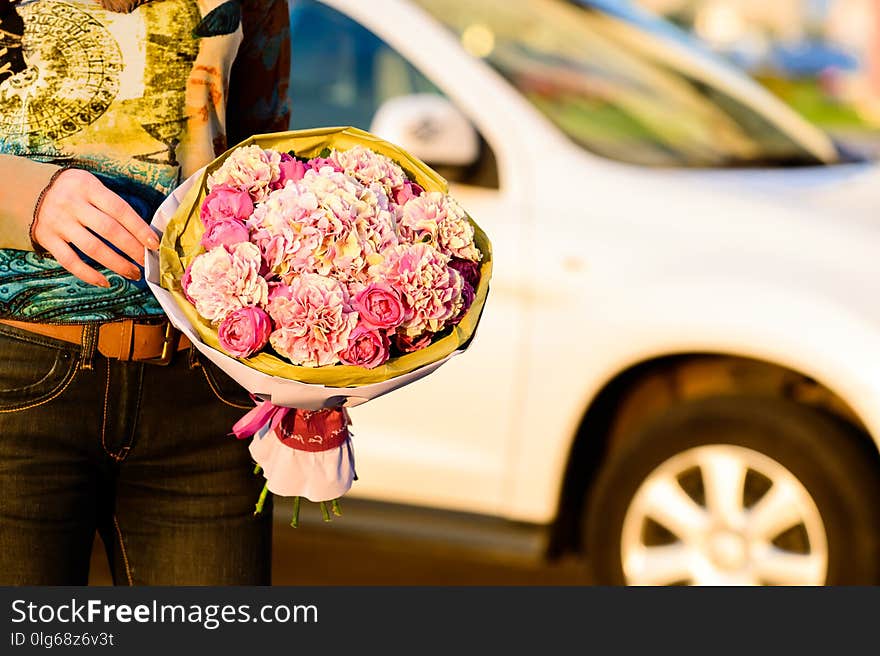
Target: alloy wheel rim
<point>725,515</point>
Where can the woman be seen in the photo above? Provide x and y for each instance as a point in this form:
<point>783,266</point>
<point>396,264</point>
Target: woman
<point>108,420</point>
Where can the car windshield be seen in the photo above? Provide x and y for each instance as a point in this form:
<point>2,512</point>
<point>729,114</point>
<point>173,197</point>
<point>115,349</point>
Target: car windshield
<point>613,86</point>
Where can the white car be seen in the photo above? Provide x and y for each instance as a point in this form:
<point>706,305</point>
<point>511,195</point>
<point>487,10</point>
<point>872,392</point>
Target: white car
<point>677,372</point>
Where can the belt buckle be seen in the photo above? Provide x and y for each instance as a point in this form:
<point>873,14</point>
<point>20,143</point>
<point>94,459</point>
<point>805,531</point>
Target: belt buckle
<point>169,347</point>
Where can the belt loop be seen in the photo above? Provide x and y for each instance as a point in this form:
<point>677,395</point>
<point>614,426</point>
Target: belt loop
<point>193,359</point>
<point>126,340</point>
<point>89,343</point>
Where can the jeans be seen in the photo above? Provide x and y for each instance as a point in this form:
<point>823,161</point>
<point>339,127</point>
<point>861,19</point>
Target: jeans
<point>139,452</point>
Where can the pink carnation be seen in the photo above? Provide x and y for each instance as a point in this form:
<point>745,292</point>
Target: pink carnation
<point>367,347</point>
<point>245,331</point>
<point>436,218</point>
<point>407,192</point>
<point>287,229</point>
<point>467,299</point>
<point>226,279</point>
<point>431,290</point>
<point>249,168</point>
<point>470,271</point>
<point>314,320</point>
<point>368,167</point>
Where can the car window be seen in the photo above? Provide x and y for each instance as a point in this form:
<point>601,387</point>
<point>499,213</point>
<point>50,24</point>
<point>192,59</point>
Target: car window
<point>341,74</point>
<point>614,87</point>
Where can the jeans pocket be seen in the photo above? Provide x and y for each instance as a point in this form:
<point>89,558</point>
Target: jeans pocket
<point>32,370</point>
<point>224,387</point>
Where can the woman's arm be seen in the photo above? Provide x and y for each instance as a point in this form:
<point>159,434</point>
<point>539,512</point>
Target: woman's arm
<point>260,75</point>
<point>21,181</point>
<point>74,210</point>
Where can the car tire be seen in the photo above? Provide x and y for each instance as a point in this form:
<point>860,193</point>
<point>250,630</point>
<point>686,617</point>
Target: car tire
<point>674,485</point>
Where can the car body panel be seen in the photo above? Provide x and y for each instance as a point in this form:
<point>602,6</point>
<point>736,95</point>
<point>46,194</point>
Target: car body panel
<point>600,265</point>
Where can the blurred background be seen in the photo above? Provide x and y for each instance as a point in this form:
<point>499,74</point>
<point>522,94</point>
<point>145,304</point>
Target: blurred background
<point>675,378</point>
<point>822,57</point>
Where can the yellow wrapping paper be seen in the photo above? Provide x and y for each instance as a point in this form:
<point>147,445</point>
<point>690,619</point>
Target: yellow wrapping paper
<point>181,244</point>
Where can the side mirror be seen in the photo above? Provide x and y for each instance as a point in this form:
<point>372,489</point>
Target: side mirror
<point>429,127</point>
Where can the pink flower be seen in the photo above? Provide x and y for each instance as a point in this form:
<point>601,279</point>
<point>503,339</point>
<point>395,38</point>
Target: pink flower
<point>407,192</point>
<point>244,332</point>
<point>470,271</point>
<point>290,169</point>
<point>467,299</point>
<point>407,344</point>
<point>380,306</point>
<point>318,163</point>
<point>226,279</point>
<point>224,233</point>
<point>430,289</point>
<point>249,168</point>
<point>185,280</point>
<point>278,289</point>
<point>367,347</point>
<point>224,203</point>
<point>437,219</point>
<point>314,320</point>
<point>367,166</point>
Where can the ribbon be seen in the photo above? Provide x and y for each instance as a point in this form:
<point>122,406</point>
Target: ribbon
<point>264,413</point>
<point>303,430</point>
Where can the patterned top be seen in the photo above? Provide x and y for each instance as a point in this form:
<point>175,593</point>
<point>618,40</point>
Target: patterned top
<point>140,100</point>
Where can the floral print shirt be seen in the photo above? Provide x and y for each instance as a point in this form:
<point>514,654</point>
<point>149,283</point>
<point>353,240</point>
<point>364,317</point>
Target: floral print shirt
<point>142,100</point>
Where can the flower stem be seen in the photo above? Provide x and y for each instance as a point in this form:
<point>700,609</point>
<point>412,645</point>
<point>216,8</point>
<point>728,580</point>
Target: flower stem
<point>295,521</point>
<point>324,512</point>
<point>257,470</point>
<point>262,500</point>
<point>335,507</point>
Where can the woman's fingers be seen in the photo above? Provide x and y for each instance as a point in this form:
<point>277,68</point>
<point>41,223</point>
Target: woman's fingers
<point>112,231</point>
<point>114,206</point>
<point>96,249</point>
<point>66,257</point>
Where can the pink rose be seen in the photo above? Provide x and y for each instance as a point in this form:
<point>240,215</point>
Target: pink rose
<point>185,281</point>
<point>224,233</point>
<point>367,347</point>
<point>406,344</point>
<point>245,331</point>
<point>225,204</point>
<point>226,279</point>
<point>380,306</point>
<point>291,169</point>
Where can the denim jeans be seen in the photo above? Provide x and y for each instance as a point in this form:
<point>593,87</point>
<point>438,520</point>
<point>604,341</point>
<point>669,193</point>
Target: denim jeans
<point>139,452</point>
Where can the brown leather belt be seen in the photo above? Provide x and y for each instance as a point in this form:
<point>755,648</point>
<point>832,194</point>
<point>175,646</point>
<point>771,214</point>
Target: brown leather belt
<point>121,340</point>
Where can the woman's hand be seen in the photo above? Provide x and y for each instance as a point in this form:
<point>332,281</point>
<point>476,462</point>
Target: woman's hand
<point>75,209</point>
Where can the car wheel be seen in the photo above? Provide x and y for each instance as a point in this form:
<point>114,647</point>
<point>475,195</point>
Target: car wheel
<point>737,491</point>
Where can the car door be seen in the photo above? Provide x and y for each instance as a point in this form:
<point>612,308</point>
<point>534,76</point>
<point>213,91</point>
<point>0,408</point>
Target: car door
<point>446,440</point>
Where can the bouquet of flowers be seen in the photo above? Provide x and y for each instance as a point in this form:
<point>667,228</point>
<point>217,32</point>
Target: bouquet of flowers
<point>320,269</point>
